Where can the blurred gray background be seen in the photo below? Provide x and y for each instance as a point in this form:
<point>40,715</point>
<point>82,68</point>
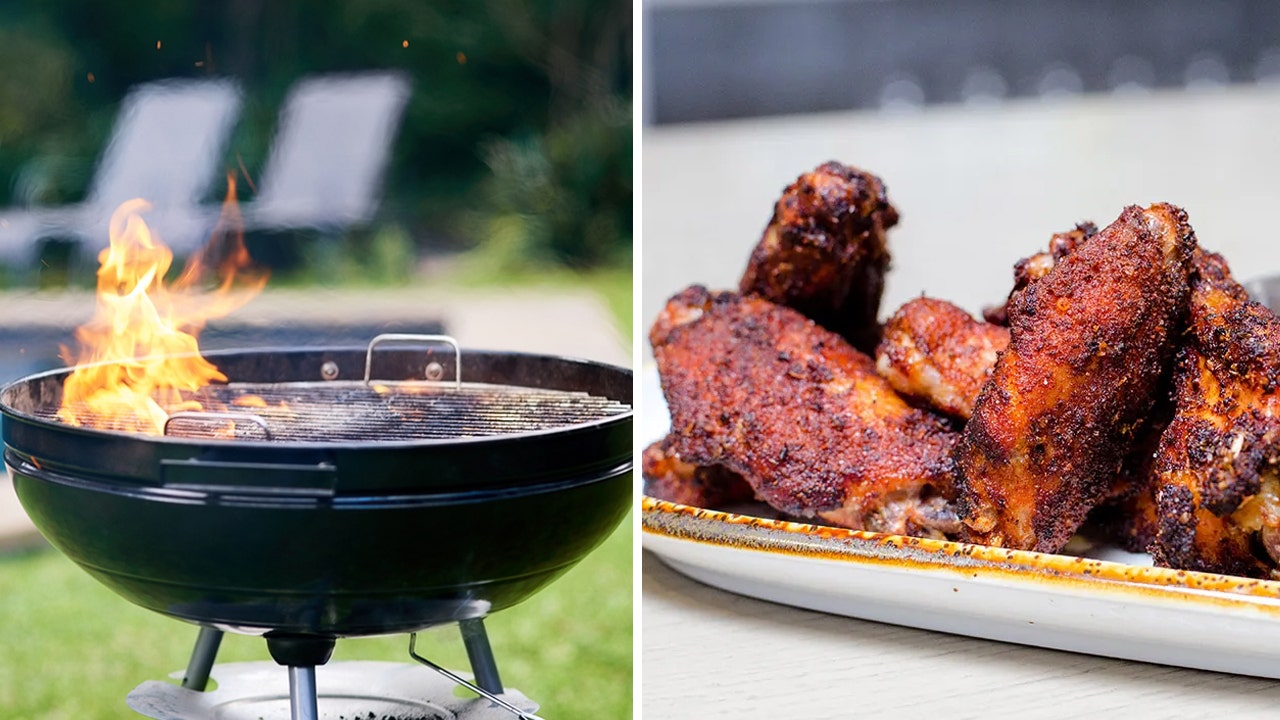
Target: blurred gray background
<point>715,59</point>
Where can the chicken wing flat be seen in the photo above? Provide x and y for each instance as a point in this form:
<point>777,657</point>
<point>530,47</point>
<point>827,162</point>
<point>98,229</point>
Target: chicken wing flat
<point>824,251</point>
<point>1218,491</point>
<point>1037,266</point>
<point>1128,515</point>
<point>1089,343</point>
<point>667,477</point>
<point>936,353</point>
<point>802,416</point>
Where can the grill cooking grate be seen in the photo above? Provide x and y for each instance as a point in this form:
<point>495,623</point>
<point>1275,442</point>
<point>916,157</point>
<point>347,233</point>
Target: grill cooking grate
<point>351,411</point>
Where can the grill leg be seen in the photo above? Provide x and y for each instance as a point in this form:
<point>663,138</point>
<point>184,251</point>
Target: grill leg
<point>480,654</point>
<point>202,657</point>
<point>302,693</point>
<point>301,654</point>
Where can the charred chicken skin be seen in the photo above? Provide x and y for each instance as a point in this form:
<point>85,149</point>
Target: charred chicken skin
<point>1089,343</point>
<point>801,415</point>
<point>667,477</point>
<point>824,251</point>
<point>1129,516</point>
<point>1218,492</point>
<point>1037,266</point>
<point>936,353</point>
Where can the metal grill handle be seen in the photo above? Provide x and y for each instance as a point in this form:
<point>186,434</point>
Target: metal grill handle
<point>232,417</point>
<point>413,653</point>
<point>411,337</point>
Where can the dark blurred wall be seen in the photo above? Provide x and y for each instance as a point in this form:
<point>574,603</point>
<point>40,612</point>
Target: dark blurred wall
<point>709,59</point>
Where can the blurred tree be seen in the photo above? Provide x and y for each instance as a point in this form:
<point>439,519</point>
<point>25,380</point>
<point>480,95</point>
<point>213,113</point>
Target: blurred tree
<point>561,191</point>
<point>37,108</point>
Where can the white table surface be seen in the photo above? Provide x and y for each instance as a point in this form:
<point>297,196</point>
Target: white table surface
<point>977,188</point>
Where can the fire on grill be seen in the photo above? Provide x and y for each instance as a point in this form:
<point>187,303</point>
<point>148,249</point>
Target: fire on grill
<point>307,494</point>
<point>138,356</point>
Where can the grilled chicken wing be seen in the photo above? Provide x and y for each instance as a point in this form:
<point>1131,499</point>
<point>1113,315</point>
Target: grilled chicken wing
<point>936,353</point>
<point>824,251</point>
<point>1128,514</point>
<point>800,414</point>
<point>1089,343</point>
<point>667,477</point>
<point>1037,266</point>
<point>1219,460</point>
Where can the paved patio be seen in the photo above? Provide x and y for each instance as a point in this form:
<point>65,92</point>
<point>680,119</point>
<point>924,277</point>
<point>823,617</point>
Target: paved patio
<point>564,322</point>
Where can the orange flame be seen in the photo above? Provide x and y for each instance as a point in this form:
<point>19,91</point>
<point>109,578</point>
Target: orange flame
<point>139,360</point>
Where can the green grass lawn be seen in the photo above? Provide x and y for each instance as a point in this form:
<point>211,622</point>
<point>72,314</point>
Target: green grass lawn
<point>71,649</point>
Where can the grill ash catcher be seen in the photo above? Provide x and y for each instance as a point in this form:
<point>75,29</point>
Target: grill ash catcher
<point>336,493</point>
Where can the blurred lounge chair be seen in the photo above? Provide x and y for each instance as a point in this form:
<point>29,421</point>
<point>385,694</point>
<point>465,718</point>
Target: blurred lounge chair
<point>328,157</point>
<point>166,147</point>
<point>324,170</point>
<point>330,153</point>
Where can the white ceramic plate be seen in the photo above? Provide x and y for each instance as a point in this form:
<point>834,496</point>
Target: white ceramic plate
<point>1102,601</point>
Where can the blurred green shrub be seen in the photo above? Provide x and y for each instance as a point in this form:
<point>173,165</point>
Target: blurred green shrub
<point>559,198</point>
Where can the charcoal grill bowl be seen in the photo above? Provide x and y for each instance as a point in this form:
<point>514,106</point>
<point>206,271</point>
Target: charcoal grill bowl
<point>322,538</point>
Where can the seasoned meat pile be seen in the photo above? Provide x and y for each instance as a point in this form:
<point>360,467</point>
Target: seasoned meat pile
<point>1127,387</point>
<point>1128,516</point>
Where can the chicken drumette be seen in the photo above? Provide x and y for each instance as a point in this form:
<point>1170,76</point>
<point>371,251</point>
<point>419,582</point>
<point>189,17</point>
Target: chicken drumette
<point>801,415</point>
<point>1090,341</point>
<point>1218,491</point>
<point>935,353</point>
<point>824,251</point>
